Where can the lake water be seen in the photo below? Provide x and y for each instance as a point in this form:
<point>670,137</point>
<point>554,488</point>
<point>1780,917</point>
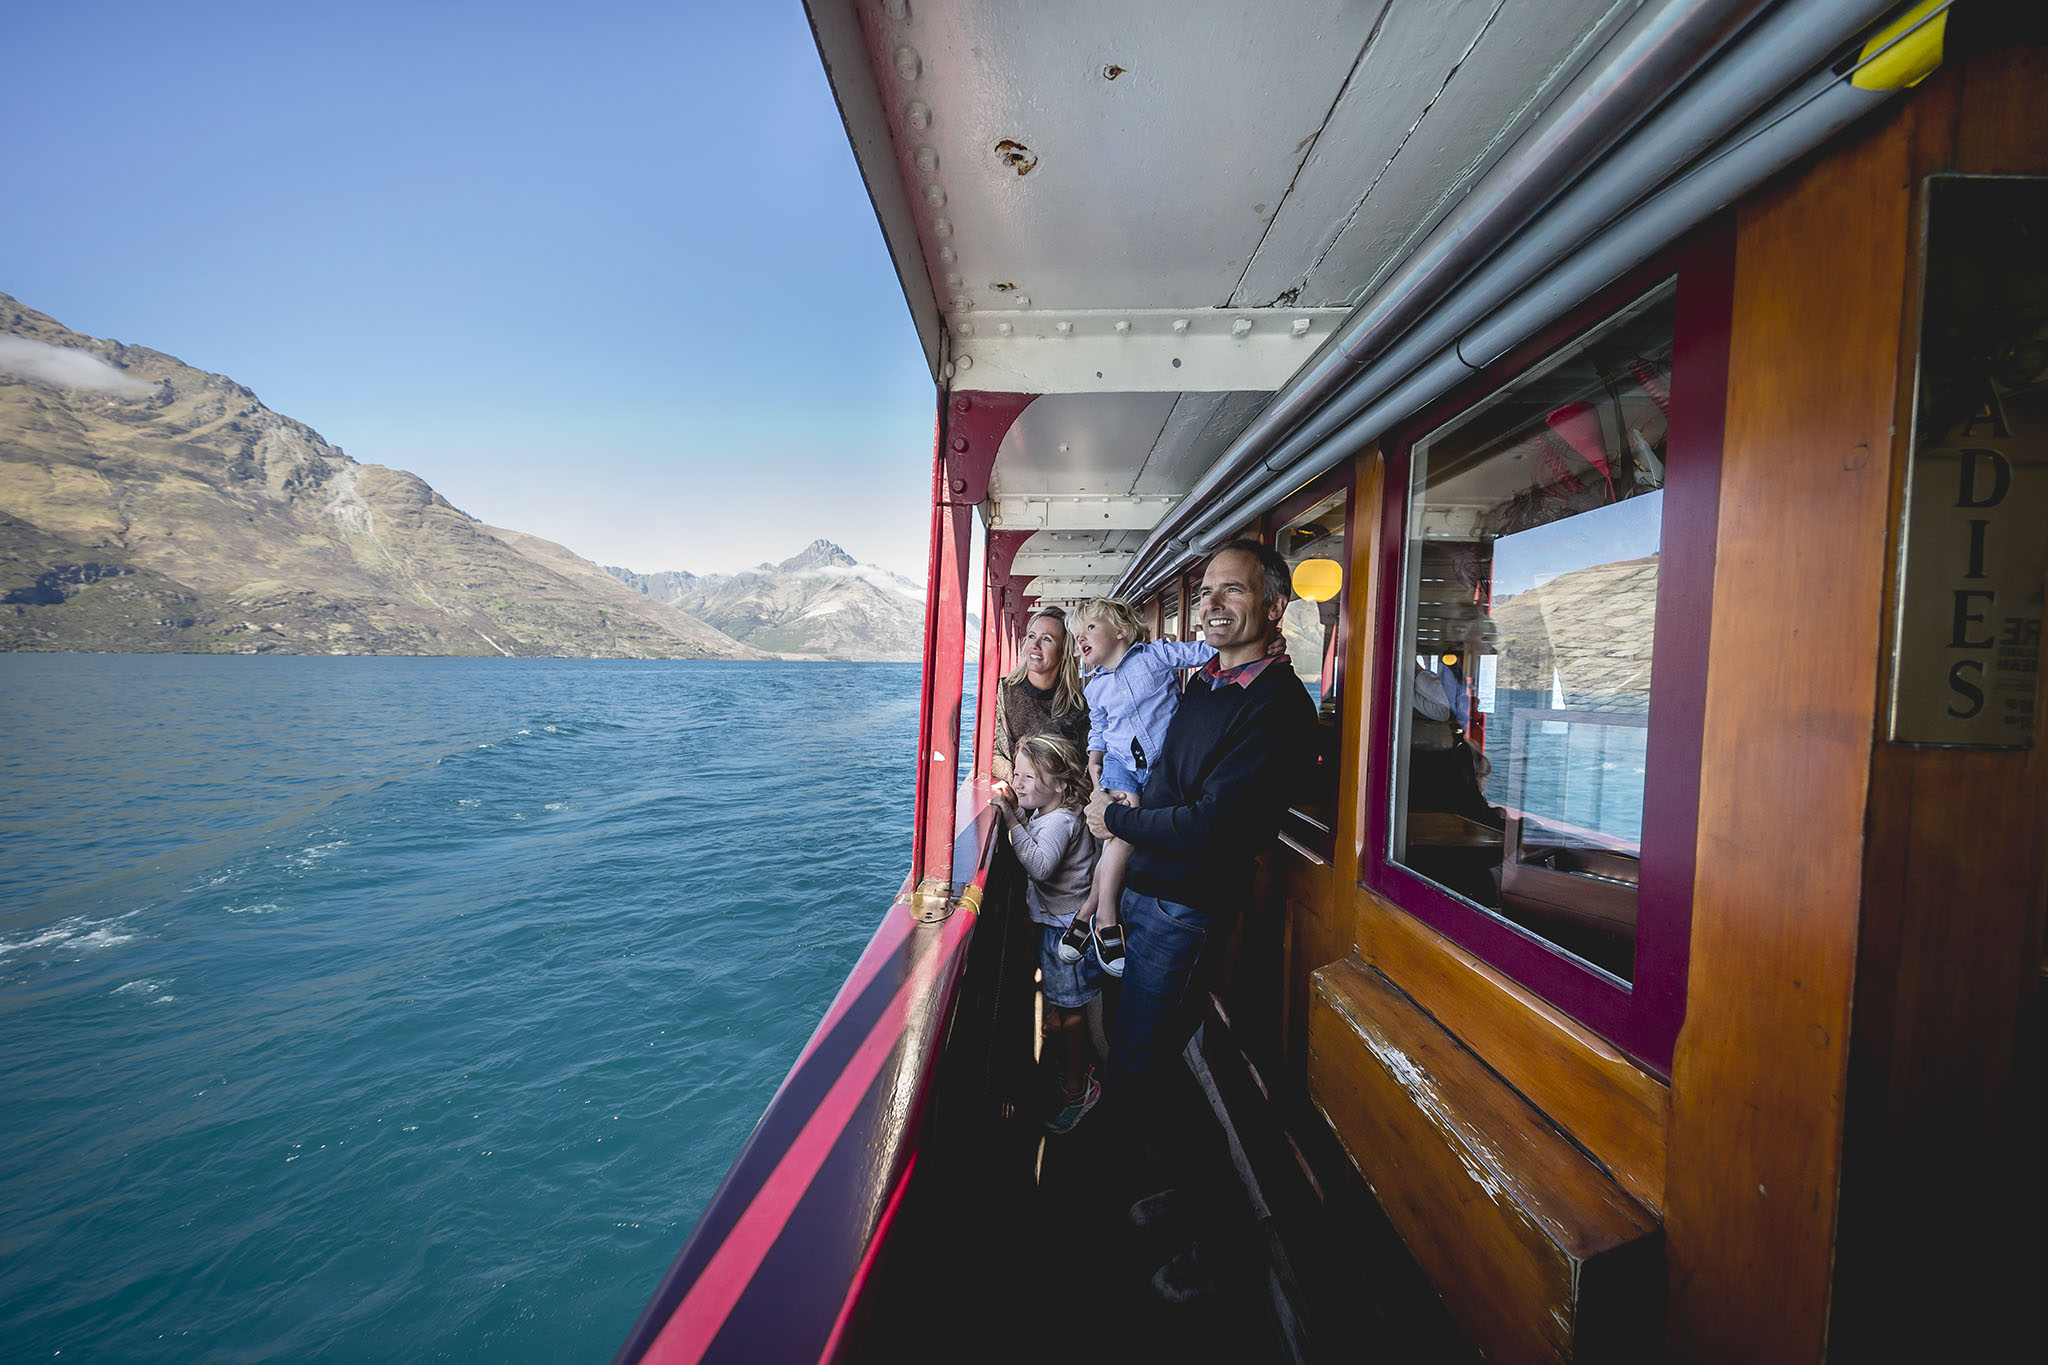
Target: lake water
<point>382,1009</point>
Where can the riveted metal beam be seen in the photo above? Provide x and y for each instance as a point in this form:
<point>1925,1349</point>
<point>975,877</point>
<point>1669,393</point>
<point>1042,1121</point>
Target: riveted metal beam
<point>1050,588</point>
<point>1072,563</point>
<point>1077,513</point>
<point>1137,350</point>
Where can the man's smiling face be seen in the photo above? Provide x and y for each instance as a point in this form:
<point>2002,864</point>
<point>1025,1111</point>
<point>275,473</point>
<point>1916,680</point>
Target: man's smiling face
<point>1234,614</point>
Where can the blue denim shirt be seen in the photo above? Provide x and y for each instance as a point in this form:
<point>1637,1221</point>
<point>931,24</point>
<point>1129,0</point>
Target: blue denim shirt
<point>1137,698</point>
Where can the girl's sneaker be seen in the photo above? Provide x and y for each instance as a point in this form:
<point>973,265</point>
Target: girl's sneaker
<point>1077,1107</point>
<point>1074,942</point>
<point>1109,948</point>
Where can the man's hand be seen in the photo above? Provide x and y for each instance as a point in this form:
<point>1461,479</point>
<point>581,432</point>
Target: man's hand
<point>1097,804</point>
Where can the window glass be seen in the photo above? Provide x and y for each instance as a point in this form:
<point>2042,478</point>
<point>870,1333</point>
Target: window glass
<point>1528,619</point>
<point>1313,546</point>
<point>1170,617</point>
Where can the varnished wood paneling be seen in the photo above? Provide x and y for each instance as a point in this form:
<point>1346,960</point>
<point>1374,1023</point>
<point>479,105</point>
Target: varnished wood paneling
<point>1538,1253</point>
<point>1606,1103</point>
<point>1359,676</point>
<point>1758,1077</point>
<point>1955,885</point>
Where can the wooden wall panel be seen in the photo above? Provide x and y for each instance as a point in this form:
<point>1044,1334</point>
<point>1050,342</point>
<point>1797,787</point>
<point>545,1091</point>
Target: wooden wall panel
<point>1539,1254</point>
<point>1759,1074</point>
<point>1956,881</point>
<point>1584,1084</point>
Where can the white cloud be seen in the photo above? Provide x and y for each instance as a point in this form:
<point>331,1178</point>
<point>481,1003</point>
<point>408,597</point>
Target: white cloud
<point>66,367</point>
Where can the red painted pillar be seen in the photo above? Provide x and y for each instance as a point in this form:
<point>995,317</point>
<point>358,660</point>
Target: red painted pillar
<point>969,430</point>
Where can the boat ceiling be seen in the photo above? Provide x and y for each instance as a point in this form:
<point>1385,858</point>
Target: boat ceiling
<point>1155,213</point>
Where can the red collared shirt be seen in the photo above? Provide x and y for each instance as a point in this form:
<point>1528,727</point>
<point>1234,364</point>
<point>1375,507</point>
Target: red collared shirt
<point>1242,675</point>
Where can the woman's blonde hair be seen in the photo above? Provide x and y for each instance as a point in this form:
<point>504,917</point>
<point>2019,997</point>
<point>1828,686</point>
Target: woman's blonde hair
<point>1060,763</point>
<point>1119,616</point>
<point>1067,696</point>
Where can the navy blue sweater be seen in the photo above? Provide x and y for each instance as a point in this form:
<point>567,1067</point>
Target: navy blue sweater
<point>1229,764</point>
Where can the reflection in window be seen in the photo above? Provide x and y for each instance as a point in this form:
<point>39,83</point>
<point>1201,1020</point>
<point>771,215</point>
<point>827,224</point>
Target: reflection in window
<point>1313,546</point>
<point>1534,523</point>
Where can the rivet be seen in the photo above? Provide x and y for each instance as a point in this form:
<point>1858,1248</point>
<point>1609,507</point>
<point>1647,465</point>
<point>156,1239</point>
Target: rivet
<point>919,113</point>
<point>908,63</point>
<point>1064,328</point>
<point>960,445</point>
<point>1301,327</point>
<point>1240,326</point>
<point>1023,300</point>
<point>959,485</point>
<point>995,521</point>
<point>952,279</point>
<point>1005,328</point>
<point>947,255</point>
<point>965,329</point>
<point>899,10</point>
<point>1123,328</point>
<point>963,404</point>
<point>1180,325</point>
<point>961,303</point>
<point>942,227</point>
<point>1065,448</point>
<point>927,160</point>
<point>965,362</point>
<point>935,195</point>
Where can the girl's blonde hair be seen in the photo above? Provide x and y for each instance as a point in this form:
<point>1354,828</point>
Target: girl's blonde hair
<point>1060,763</point>
<point>1067,696</point>
<point>1118,616</point>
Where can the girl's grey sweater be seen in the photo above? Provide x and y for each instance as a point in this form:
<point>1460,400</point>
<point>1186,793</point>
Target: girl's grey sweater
<point>1058,854</point>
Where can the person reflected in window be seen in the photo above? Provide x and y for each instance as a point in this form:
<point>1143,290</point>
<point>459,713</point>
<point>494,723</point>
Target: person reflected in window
<point>1042,694</point>
<point>1445,773</point>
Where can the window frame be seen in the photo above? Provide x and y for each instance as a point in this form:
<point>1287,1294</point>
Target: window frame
<point>1344,478</point>
<point>1642,1017</point>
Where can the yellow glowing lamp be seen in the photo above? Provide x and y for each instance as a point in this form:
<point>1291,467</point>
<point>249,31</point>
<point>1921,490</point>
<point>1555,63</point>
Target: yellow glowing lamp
<point>1318,580</point>
<point>1451,660</point>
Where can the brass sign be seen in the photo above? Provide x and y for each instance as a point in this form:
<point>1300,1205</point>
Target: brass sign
<point>1975,561</point>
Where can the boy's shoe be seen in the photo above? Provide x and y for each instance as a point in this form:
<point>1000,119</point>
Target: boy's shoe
<point>1074,942</point>
<point>1077,1107</point>
<point>1109,948</point>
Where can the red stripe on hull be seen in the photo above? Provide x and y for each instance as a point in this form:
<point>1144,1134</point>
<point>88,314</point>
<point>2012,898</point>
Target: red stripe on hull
<point>697,1319</point>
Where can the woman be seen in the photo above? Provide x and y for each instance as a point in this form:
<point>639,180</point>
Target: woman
<point>1042,695</point>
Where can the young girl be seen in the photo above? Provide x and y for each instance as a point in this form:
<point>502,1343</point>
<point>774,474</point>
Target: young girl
<point>1041,808</point>
<point>1133,689</point>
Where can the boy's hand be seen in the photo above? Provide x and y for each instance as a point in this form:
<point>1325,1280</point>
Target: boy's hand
<point>1125,799</point>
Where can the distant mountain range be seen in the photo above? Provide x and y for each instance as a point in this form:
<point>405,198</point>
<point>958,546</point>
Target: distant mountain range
<point>147,506</point>
<point>819,604</point>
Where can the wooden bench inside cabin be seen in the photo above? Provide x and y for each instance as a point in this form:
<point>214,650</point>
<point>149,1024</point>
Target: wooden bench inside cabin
<point>1536,1249</point>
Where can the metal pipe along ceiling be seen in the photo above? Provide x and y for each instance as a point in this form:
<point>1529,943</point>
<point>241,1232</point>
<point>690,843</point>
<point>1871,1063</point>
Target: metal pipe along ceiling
<point>1779,139</point>
<point>1374,358</point>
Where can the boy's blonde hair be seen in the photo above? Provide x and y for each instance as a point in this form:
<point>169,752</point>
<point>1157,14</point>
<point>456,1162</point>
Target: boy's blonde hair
<point>1059,762</point>
<point>1118,616</point>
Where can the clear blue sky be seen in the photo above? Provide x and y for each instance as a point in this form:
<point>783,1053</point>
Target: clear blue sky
<point>603,273</point>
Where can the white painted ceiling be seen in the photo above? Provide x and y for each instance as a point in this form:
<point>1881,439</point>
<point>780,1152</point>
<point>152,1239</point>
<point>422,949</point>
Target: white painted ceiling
<point>1226,166</point>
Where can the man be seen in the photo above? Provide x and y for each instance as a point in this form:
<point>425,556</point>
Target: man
<point>1225,770</point>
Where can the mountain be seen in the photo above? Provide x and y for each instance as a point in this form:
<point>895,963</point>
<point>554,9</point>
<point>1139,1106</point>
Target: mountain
<point>821,603</point>
<point>147,506</point>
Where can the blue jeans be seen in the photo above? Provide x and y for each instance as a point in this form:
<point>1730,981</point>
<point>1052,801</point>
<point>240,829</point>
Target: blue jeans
<point>1166,946</point>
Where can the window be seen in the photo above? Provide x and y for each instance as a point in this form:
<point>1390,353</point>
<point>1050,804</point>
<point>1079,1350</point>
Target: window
<point>1313,544</point>
<point>1546,578</point>
<point>1311,532</point>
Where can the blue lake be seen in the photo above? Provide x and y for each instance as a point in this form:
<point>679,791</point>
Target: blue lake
<point>382,1009</point>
